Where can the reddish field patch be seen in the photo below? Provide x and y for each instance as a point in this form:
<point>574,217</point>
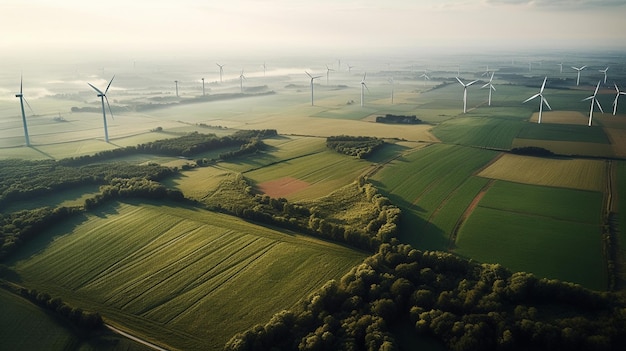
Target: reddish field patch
<point>282,187</point>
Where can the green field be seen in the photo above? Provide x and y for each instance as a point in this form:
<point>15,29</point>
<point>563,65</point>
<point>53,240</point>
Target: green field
<point>184,277</point>
<point>479,131</point>
<point>552,232</point>
<point>427,184</point>
<point>563,132</point>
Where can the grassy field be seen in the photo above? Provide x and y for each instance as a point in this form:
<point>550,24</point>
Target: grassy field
<point>479,131</point>
<point>425,184</point>
<point>564,132</point>
<point>191,277</point>
<point>551,232</point>
<point>556,172</point>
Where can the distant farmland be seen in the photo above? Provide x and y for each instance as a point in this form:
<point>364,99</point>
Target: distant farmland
<point>176,271</point>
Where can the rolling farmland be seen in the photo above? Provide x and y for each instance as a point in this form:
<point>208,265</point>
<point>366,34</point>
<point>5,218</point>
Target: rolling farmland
<point>186,272</point>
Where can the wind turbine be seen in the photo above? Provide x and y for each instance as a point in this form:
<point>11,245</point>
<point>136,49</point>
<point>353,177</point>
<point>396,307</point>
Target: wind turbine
<point>328,73</point>
<point>491,87</point>
<point>241,78</point>
<point>486,72</point>
<point>176,87</point>
<point>312,78</point>
<point>103,96</point>
<point>578,69</point>
<point>22,101</point>
<point>617,98</point>
<point>363,87</point>
<point>264,68</point>
<point>593,99</point>
<point>542,99</point>
<point>560,67</point>
<point>465,92</point>
<point>350,68</point>
<point>202,86</point>
<point>604,71</point>
<point>221,70</point>
<point>392,88</point>
<point>425,76</point>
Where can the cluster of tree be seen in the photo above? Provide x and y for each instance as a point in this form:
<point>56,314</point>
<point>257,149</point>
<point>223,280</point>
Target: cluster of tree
<point>358,146</point>
<point>251,147</point>
<point>76,315</point>
<point>24,179</point>
<point>463,304</point>
<point>237,197</point>
<point>18,227</point>
<point>398,119</point>
<point>532,151</point>
<point>120,188</point>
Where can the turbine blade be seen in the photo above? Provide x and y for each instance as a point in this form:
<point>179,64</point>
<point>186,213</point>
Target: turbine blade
<point>616,88</point>
<point>365,85</point>
<point>599,106</point>
<point>494,88</point>
<point>27,104</point>
<point>546,102</point>
<point>107,89</point>
<point>110,111</point>
<point>21,81</point>
<point>308,74</point>
<point>583,67</point>
<point>597,87</point>
<point>588,98</point>
<point>484,86</point>
<point>491,79</point>
<point>457,78</point>
<point>615,101</point>
<point>96,89</point>
<point>470,83</point>
<point>530,98</point>
<point>543,85</point>
<point>364,75</point>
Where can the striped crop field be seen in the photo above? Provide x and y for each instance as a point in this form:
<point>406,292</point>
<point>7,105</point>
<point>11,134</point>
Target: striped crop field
<point>581,174</point>
<point>432,185</point>
<point>564,132</point>
<point>194,276</point>
<point>551,232</point>
<point>479,131</point>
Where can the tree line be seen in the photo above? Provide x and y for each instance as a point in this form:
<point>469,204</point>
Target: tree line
<point>463,304</point>
<point>357,146</point>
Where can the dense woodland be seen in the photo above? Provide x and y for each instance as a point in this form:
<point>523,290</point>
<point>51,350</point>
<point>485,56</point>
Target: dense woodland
<point>357,146</point>
<point>398,119</point>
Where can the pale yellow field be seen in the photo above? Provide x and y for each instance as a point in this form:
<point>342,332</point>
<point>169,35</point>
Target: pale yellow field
<point>565,173</point>
<point>561,117</point>
<point>615,129</point>
<point>199,182</point>
<point>567,147</point>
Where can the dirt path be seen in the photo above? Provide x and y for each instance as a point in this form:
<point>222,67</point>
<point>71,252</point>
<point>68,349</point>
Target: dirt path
<point>468,212</point>
<point>134,338</point>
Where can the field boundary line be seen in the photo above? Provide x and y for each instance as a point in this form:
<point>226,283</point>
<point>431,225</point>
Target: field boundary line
<point>134,338</point>
<point>468,211</point>
<point>281,161</point>
<point>493,160</point>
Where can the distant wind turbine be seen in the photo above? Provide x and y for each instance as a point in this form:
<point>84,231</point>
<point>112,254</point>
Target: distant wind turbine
<point>202,86</point>
<point>241,78</point>
<point>363,87</point>
<point>425,76</point>
<point>103,96</point>
<point>176,82</point>
<point>264,68</point>
<point>350,68</point>
<point>22,101</point>
<point>593,100</point>
<point>542,100</point>
<point>491,87</point>
<point>604,71</point>
<point>578,70</point>
<point>486,71</point>
<point>221,70</point>
<point>328,73</point>
<point>392,88</point>
<point>312,78</point>
<point>560,67</point>
<point>465,92</point>
<point>617,98</point>
<point>530,66</point>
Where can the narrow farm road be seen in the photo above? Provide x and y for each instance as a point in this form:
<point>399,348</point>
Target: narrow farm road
<point>134,338</point>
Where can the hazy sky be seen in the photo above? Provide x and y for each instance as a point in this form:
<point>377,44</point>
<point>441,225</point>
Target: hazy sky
<point>229,26</point>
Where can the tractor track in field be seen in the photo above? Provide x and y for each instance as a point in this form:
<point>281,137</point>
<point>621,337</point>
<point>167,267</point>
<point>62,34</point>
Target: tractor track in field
<point>468,211</point>
<point>134,338</point>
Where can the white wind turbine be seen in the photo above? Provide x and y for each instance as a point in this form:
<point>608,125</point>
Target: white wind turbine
<point>486,71</point>
<point>391,81</point>
<point>491,87</point>
<point>22,101</point>
<point>560,67</point>
<point>578,70</point>
<point>604,71</point>
<point>221,70</point>
<point>542,100</point>
<point>103,96</point>
<point>328,69</point>
<point>617,98</point>
<point>176,82</point>
<point>593,100</point>
<point>363,87</point>
<point>241,78</point>
<point>465,92</point>
<point>264,68</point>
<point>350,68</point>
<point>312,78</point>
<point>202,86</point>
<point>425,76</point>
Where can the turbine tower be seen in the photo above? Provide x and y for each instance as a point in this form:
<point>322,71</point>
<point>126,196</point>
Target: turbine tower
<point>264,68</point>
<point>465,92</point>
<point>176,82</point>
<point>328,73</point>
<point>241,78</point>
<point>312,78</point>
<point>617,98</point>
<point>22,101</point>
<point>578,76</point>
<point>593,100</point>
<point>560,67</point>
<point>491,87</point>
<point>391,81</point>
<point>542,100</point>
<point>202,86</point>
<point>103,96</point>
<point>363,87</point>
<point>604,71</point>
<point>221,70</point>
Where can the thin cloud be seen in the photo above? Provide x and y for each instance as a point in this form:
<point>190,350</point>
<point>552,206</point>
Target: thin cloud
<point>561,4</point>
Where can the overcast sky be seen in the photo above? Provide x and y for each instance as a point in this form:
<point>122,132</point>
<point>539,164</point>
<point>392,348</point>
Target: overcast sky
<point>230,26</point>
